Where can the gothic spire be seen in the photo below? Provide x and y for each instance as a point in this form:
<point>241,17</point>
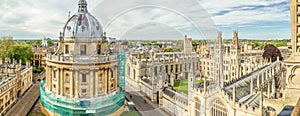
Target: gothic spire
<point>235,37</point>
<point>235,40</point>
<point>219,39</point>
<point>82,6</point>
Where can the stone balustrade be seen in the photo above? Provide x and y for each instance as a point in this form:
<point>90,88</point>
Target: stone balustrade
<point>79,58</point>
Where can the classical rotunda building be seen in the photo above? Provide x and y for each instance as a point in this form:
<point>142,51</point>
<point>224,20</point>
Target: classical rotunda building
<point>82,76</point>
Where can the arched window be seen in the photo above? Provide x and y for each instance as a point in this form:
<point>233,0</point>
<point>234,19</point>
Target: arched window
<point>197,107</point>
<point>98,49</point>
<point>112,73</point>
<point>128,70</point>
<point>67,78</point>
<point>67,49</point>
<point>218,108</point>
<point>133,73</point>
<point>155,71</point>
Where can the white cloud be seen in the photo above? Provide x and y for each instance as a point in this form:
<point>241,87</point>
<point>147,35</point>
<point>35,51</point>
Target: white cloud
<point>36,18</point>
<point>245,12</point>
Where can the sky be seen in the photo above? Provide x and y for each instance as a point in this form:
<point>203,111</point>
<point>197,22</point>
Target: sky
<point>151,19</point>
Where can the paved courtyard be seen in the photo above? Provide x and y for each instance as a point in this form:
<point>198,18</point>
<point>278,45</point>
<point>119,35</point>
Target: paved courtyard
<point>144,105</point>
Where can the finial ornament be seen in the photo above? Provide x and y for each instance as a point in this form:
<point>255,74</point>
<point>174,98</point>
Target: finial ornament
<point>73,33</point>
<point>104,34</point>
<point>69,14</point>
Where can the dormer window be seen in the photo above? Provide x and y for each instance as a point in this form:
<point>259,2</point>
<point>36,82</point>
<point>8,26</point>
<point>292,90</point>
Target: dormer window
<point>67,49</point>
<point>98,49</point>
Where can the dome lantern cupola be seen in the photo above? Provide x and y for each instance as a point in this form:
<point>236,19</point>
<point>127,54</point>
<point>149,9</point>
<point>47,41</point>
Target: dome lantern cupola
<point>82,6</point>
<point>82,24</point>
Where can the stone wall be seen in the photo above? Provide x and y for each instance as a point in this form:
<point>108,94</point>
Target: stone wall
<point>175,105</point>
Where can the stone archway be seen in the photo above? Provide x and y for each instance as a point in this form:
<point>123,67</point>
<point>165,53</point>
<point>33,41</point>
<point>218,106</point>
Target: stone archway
<point>218,108</point>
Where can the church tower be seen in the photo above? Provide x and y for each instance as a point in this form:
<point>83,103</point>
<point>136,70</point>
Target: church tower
<point>234,57</point>
<point>188,46</point>
<point>218,63</point>
<point>292,90</point>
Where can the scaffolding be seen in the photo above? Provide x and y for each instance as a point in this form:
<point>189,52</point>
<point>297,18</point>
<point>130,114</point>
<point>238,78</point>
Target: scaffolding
<point>100,106</point>
<point>121,69</point>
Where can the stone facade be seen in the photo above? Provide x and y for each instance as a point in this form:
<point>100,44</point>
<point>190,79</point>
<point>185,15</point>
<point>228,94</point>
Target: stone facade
<point>82,72</point>
<point>155,71</point>
<point>188,47</point>
<point>15,80</point>
<point>234,79</point>
<point>38,56</point>
<point>292,90</point>
<point>161,70</point>
<point>236,61</point>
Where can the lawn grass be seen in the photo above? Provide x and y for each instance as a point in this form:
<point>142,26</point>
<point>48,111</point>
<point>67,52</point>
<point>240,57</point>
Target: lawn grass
<point>33,113</point>
<point>182,85</point>
<point>130,113</point>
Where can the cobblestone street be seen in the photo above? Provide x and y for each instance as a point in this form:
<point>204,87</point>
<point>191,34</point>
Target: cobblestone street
<point>24,105</point>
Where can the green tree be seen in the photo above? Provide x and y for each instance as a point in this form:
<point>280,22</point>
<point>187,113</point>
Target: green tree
<point>255,44</point>
<point>262,46</point>
<point>5,43</point>
<point>38,69</point>
<point>168,50</point>
<point>21,52</point>
<point>37,43</point>
<point>226,42</point>
<point>50,43</point>
<point>154,43</point>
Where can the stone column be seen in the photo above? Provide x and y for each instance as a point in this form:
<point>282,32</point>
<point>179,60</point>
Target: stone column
<point>96,82</point>
<point>71,83</point>
<point>61,81</point>
<point>115,72</point>
<point>58,81</point>
<point>91,85</point>
<point>109,79</point>
<point>273,87</point>
<point>106,80</point>
<point>76,83</point>
<point>50,77</point>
